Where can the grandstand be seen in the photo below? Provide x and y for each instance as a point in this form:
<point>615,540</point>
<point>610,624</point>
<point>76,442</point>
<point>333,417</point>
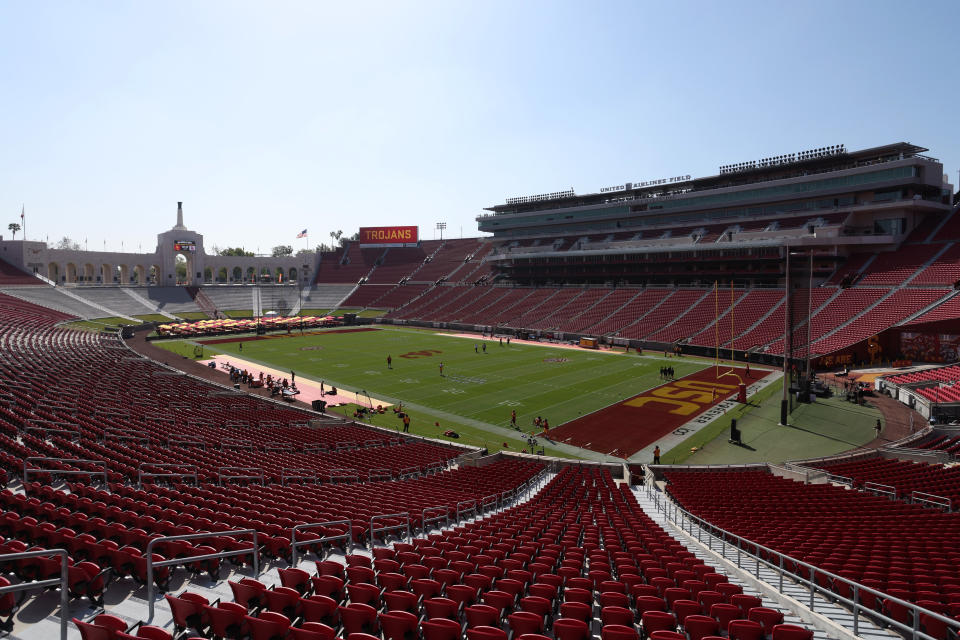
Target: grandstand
<point>299,524</point>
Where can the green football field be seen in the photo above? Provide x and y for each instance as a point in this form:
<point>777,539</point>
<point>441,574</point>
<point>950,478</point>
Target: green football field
<point>478,390</point>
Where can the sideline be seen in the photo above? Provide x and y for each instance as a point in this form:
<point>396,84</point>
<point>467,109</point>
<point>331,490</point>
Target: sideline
<point>309,389</point>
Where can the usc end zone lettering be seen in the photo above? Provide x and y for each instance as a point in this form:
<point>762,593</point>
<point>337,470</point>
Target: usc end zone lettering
<point>686,397</point>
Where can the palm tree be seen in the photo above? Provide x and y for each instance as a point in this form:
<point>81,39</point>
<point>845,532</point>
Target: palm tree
<point>14,227</point>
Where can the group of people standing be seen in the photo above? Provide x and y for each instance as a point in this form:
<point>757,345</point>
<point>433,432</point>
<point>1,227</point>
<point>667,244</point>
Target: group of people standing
<point>666,373</point>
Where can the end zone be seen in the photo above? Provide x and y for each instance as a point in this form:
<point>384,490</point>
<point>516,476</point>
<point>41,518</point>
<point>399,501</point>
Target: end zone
<point>664,415</point>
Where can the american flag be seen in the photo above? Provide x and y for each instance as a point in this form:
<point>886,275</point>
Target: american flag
<point>302,234</point>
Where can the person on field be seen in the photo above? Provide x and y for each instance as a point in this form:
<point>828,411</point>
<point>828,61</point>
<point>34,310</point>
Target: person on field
<point>406,423</point>
<point>441,369</point>
<point>513,419</point>
<point>389,362</point>
<point>656,454</point>
<point>484,347</point>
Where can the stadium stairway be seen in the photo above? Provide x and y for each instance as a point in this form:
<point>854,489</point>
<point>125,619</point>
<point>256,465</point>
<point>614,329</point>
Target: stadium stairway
<point>146,303</point>
<point>850,321</point>
<point>257,303</point>
<point>827,618</point>
<point>203,301</point>
<point>913,316</point>
<point>936,256</point>
<point>305,294</point>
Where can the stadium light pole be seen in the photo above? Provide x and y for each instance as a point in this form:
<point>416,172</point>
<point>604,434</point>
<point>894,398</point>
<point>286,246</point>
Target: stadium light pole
<point>441,226</point>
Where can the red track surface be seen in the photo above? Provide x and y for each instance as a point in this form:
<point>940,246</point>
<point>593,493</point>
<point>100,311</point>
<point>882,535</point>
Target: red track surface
<point>627,427</point>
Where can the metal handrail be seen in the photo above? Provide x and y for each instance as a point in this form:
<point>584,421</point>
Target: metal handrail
<point>243,473</point>
<point>122,434</point>
<point>408,472</point>
<point>472,509</point>
<point>53,431</point>
<point>279,446</point>
<point>207,556</point>
<point>296,544</point>
<point>71,461</point>
<point>424,520</point>
<point>743,545</point>
<point>191,472</point>
<point>489,503</point>
<point>298,474</point>
<point>186,442</point>
<point>234,443</point>
<point>343,474</point>
<point>932,498</point>
<point>63,581</point>
<point>433,467</point>
<point>885,489</point>
<point>405,525</point>
<point>379,474</point>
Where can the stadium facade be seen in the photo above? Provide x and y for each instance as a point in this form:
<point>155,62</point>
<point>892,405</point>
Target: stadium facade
<point>733,225</point>
<point>159,268</point>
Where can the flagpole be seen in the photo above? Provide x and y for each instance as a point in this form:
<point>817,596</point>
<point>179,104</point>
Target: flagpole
<point>23,221</point>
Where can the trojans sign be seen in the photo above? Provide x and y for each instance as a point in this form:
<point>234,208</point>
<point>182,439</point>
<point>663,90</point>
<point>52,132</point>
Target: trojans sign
<point>372,237</point>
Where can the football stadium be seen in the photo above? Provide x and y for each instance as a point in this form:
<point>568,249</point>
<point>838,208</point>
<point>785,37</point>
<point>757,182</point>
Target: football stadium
<point>712,403</point>
<point>375,440</point>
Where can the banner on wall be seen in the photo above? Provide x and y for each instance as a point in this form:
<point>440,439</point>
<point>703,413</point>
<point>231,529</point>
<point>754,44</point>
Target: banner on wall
<point>930,347</point>
<point>373,237</point>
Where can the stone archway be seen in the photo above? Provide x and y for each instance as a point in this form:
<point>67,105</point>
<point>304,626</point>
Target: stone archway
<point>155,274</point>
<point>123,274</point>
<point>140,275</point>
<point>292,274</point>
<point>53,271</point>
<point>207,274</point>
<point>237,274</point>
<point>71,272</point>
<point>88,272</point>
<point>222,274</point>
<point>106,273</point>
<point>251,274</point>
<point>183,270</point>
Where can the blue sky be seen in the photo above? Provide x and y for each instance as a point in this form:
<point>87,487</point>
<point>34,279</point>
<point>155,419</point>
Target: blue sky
<point>268,117</point>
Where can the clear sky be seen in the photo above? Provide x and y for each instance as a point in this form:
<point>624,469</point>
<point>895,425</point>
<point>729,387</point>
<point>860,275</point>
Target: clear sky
<point>269,117</point>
